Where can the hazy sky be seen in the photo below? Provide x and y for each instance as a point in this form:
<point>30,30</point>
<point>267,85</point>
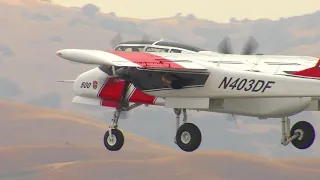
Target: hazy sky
<point>217,10</point>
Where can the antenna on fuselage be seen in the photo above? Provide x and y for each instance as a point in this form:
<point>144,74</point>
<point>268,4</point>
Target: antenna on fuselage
<point>278,68</point>
<point>145,48</point>
<point>220,59</point>
<point>254,64</point>
<point>158,41</point>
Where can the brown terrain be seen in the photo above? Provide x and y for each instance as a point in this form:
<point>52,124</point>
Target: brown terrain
<point>42,143</point>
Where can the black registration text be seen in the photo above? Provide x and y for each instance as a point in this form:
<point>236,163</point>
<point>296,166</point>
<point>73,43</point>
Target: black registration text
<point>240,84</point>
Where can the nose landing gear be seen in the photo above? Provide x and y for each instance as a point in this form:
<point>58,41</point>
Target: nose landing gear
<point>113,138</point>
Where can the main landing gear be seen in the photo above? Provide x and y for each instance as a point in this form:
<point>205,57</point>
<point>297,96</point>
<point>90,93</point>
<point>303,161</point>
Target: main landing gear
<point>301,135</point>
<point>188,136</point>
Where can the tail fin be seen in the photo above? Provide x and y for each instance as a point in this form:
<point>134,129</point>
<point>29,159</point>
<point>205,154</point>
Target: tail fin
<point>310,72</point>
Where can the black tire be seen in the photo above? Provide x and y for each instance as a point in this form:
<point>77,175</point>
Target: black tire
<point>195,137</point>
<point>308,135</point>
<point>119,140</point>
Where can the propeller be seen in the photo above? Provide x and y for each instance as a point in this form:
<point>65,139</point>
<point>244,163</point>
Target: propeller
<point>117,39</point>
<point>145,38</point>
<point>224,46</point>
<point>249,48</point>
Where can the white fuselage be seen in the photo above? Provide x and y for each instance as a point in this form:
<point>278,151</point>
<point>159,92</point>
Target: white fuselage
<point>230,88</point>
<point>273,102</point>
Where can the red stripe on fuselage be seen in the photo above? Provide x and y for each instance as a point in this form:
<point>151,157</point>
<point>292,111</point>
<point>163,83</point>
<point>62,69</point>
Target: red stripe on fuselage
<point>112,89</point>
<point>147,60</point>
<point>140,97</point>
<point>310,72</point>
<point>108,103</point>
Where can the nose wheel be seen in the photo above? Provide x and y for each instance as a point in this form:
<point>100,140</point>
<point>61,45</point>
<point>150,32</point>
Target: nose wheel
<point>113,138</point>
<point>115,141</point>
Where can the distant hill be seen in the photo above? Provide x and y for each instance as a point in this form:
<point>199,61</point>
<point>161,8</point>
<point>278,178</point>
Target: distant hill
<point>40,143</point>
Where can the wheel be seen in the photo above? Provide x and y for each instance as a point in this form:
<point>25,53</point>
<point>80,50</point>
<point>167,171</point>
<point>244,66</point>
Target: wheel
<point>188,137</point>
<point>306,135</point>
<point>115,142</point>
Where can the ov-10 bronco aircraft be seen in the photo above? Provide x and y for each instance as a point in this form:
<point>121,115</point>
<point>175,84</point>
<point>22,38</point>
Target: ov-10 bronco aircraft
<point>126,80</point>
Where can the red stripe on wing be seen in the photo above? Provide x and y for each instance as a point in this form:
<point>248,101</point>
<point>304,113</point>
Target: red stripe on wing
<point>147,60</point>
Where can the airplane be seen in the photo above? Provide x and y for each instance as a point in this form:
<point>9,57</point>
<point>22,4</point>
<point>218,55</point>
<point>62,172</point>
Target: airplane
<point>126,80</point>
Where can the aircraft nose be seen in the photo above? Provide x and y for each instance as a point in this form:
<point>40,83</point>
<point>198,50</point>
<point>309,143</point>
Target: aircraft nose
<point>65,53</point>
<point>58,53</point>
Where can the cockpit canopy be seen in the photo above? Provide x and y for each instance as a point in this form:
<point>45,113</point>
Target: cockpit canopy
<point>158,46</point>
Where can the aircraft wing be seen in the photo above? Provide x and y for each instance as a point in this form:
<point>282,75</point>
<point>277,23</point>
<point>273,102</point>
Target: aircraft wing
<point>128,59</point>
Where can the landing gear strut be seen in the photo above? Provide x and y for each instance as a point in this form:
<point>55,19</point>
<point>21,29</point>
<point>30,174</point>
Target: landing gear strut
<point>188,136</point>
<point>301,135</point>
<point>113,138</point>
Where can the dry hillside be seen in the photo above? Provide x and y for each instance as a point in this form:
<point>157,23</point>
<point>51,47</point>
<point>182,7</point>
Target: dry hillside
<point>39,143</point>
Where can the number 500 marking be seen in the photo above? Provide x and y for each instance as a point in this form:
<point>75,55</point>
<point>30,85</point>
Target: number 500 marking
<point>85,85</point>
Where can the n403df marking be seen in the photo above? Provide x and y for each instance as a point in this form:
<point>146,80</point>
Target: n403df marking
<point>246,85</point>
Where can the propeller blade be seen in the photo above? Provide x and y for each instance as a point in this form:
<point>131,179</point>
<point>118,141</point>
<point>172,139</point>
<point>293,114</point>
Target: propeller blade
<point>225,47</point>
<point>116,40</point>
<point>250,47</point>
